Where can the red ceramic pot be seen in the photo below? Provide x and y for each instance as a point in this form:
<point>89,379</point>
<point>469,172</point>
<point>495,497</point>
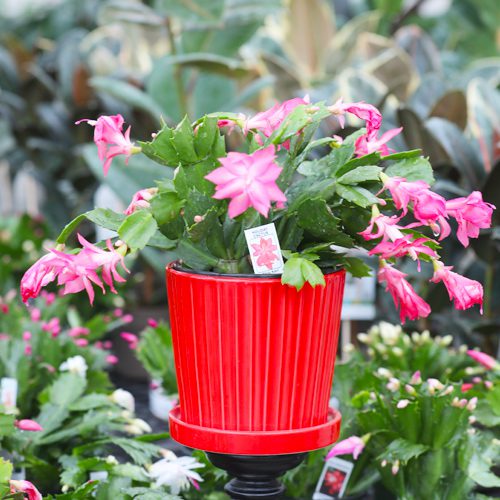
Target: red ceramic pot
<point>254,362</point>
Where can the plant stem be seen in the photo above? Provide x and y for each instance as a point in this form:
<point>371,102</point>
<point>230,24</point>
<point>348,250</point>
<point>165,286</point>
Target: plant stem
<point>177,70</point>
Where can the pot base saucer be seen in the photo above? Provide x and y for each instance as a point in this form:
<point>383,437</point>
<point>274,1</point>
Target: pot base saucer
<point>255,442</point>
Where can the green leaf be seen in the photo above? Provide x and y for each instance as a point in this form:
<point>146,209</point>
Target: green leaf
<point>137,229</point>
<point>183,142</point>
<point>361,174</point>
<point>412,169</point>
<point>161,149</point>
<point>205,136</point>
<point>69,228</point>
<point>159,240</point>
<point>402,450</point>
<point>106,218</point>
<point>292,273</point>
<point>412,153</point>
<point>312,273</point>
<point>316,218</point>
<point>166,207</point>
<point>5,470</point>
<point>91,401</point>
<point>6,424</point>
<point>200,230</point>
<point>211,62</point>
<point>357,195</point>
<point>127,93</point>
<point>356,267</point>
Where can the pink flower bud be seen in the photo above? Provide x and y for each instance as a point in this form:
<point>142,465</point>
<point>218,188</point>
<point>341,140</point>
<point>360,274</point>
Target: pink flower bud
<point>28,425</point>
<point>466,387</point>
<point>416,378</point>
<point>472,404</point>
<point>77,331</point>
<point>484,359</point>
<point>28,351</point>
<point>152,323</point>
<point>488,384</point>
<point>395,467</point>
<point>198,218</point>
<point>81,342</point>
<point>112,359</point>
<point>26,336</point>
<point>128,318</point>
<point>130,338</point>
<point>118,312</point>
<point>107,344</point>
<point>35,314</point>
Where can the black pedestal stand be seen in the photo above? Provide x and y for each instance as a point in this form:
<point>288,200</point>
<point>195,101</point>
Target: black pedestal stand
<point>255,476</point>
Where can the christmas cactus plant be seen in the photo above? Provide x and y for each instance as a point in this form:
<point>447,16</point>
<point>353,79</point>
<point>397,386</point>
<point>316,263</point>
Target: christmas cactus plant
<point>324,195</point>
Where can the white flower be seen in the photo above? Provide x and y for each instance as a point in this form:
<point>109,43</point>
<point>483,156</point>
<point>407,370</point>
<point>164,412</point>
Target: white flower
<point>111,460</point>
<point>124,399</point>
<point>389,333</point>
<point>446,341</point>
<point>76,364</point>
<point>403,403</point>
<point>137,426</point>
<point>364,338</point>
<point>394,384</point>
<point>384,373</point>
<point>175,472</point>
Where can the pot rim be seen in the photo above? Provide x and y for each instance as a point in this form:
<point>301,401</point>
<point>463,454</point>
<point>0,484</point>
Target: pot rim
<point>176,266</point>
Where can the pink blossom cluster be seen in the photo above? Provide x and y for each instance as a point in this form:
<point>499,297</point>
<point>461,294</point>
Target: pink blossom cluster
<point>369,142</point>
<point>76,272</point>
<point>430,209</point>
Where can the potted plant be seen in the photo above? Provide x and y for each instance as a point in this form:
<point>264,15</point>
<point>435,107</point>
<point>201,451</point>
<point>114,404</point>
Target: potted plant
<point>255,339</point>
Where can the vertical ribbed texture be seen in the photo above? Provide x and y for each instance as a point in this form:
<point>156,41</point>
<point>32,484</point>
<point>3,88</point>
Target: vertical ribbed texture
<point>252,354</point>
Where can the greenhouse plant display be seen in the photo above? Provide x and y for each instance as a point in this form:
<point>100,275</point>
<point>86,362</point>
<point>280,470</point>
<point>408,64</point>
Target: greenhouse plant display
<point>259,332</point>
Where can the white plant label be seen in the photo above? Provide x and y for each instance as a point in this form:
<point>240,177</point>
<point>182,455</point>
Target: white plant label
<point>264,248</point>
<point>333,480</point>
<point>8,392</point>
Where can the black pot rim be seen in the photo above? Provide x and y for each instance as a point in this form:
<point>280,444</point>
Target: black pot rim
<point>178,267</point>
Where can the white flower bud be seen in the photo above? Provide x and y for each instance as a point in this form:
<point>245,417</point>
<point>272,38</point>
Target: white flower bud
<point>403,403</point>
<point>410,390</point>
<point>472,404</point>
<point>124,399</point>
<point>384,373</point>
<point>364,338</point>
<point>111,460</point>
<point>394,384</point>
<point>395,468</point>
<point>397,351</point>
<point>446,340</point>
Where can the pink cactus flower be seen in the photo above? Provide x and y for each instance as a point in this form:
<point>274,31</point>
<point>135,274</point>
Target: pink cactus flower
<point>411,305</point>
<point>78,331</point>
<point>112,359</point>
<point>28,350</point>
<point>107,344</point>
<point>463,291</point>
<point>130,338</point>
<point>26,336</point>
<point>404,246</point>
<point>110,140</point>
<point>4,308</point>
<point>127,318</point>
<point>118,312</point>
<point>482,358</point>
<point>472,214</point>
<point>367,112</point>
<point>49,297</point>
<point>353,445</point>
<point>53,326</point>
<point>40,274</point>
<point>367,144</point>
<point>152,323</point>
<point>268,121</point>
<point>466,387</point>
<point>140,200</point>
<point>387,227</point>
<point>402,191</point>
<point>25,487</point>
<point>249,180</point>
<point>81,342</point>
<point>28,425</point>
<point>35,314</point>
<point>75,271</point>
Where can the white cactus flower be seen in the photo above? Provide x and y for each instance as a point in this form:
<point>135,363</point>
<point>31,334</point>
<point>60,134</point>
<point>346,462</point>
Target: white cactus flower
<point>75,364</point>
<point>124,399</point>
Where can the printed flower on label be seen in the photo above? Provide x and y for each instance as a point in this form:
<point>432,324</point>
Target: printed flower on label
<point>264,252</point>
<point>249,180</point>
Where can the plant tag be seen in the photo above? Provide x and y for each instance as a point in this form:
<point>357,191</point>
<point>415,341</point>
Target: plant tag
<point>264,248</point>
<point>333,480</point>
<point>8,392</point>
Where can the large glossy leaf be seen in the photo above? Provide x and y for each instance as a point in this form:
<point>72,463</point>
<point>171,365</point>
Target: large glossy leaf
<point>420,47</point>
<point>126,92</point>
<point>452,107</point>
<point>314,20</point>
<point>458,149</point>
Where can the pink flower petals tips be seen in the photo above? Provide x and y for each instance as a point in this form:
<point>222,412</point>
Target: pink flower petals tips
<point>249,180</point>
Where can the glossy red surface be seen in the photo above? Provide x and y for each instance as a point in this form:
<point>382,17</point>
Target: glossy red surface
<point>253,355</point>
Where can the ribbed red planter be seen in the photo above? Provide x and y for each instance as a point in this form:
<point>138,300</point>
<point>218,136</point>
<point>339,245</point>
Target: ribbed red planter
<point>254,362</point>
